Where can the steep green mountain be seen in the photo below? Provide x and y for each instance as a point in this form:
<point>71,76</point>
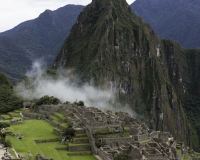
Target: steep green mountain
<point>110,46</point>
<point>35,39</point>
<point>8,99</point>
<point>177,20</point>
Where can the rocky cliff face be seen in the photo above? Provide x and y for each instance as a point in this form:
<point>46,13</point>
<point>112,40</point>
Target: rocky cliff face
<point>109,45</point>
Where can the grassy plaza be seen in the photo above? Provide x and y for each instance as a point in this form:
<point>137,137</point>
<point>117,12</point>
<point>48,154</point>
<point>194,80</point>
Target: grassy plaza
<point>34,129</point>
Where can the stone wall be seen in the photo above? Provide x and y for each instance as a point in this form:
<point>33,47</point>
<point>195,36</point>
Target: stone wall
<point>80,130</point>
<point>141,137</point>
<point>62,148</point>
<point>108,141</point>
<point>16,122</point>
<point>79,148</point>
<point>33,115</point>
<point>52,123</point>
<point>92,142</point>
<point>80,154</point>
<point>61,127</point>
<point>47,140</point>
<point>78,141</point>
<point>112,135</point>
<point>153,134</point>
<point>57,132</point>
<point>104,155</point>
<point>59,118</point>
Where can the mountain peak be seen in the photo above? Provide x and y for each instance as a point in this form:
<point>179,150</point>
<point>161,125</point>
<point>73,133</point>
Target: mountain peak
<point>110,46</point>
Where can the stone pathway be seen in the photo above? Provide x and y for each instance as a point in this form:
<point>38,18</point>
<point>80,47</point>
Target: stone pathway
<point>2,151</point>
<point>98,157</point>
<point>15,152</point>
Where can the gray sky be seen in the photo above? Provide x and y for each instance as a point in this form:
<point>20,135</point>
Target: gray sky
<point>13,12</point>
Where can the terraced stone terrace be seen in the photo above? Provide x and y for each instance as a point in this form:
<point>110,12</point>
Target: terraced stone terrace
<point>38,137</point>
<point>97,134</point>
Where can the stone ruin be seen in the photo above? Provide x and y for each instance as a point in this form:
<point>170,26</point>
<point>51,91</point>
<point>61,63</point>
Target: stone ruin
<point>117,133</point>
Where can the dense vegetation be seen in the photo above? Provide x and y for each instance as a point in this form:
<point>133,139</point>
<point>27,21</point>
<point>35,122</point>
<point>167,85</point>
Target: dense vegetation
<point>35,39</point>
<point>177,20</point>
<point>48,100</point>
<point>9,101</point>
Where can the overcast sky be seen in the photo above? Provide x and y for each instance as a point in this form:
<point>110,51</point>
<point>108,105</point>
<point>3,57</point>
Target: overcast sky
<point>13,12</point>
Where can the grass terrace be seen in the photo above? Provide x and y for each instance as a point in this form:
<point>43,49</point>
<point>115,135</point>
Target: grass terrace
<point>60,115</point>
<point>41,130</point>
<point>55,119</point>
<point>14,114</point>
<point>6,117</point>
<point>88,157</point>
<point>145,140</point>
<point>5,121</point>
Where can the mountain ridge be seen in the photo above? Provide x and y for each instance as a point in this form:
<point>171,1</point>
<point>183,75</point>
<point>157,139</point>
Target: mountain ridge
<point>177,20</point>
<point>35,39</point>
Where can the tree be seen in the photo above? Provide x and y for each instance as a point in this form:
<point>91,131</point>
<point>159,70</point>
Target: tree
<point>48,100</point>
<point>4,125</point>
<point>7,143</point>
<point>69,133</point>
<point>80,103</point>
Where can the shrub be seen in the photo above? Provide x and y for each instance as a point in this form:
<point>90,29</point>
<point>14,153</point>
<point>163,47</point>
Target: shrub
<point>80,103</point>
<point>69,133</point>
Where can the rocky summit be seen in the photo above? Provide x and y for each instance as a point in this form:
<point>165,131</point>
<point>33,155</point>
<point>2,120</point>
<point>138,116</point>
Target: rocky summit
<point>109,45</point>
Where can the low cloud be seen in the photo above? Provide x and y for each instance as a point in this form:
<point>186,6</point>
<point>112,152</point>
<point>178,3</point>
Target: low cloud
<point>66,88</point>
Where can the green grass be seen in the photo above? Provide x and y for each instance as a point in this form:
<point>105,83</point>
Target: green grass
<point>60,115</point>
<point>14,114</point>
<point>40,129</point>
<point>80,138</point>
<point>70,152</point>
<point>100,129</point>
<point>81,135</point>
<point>145,140</point>
<point>186,157</point>
<point>64,125</point>
<point>6,116</point>
<point>17,111</point>
<point>119,137</point>
<point>35,129</point>
<point>126,128</point>
<point>55,119</point>
<point>12,152</point>
<point>80,144</point>
<point>88,157</point>
<point>178,152</point>
<point>31,130</point>
<point>49,150</point>
<point>63,154</point>
<point>5,121</point>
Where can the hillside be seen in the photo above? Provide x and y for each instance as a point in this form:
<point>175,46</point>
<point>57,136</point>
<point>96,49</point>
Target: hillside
<point>110,46</point>
<point>177,20</point>
<point>8,99</point>
<point>40,38</point>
